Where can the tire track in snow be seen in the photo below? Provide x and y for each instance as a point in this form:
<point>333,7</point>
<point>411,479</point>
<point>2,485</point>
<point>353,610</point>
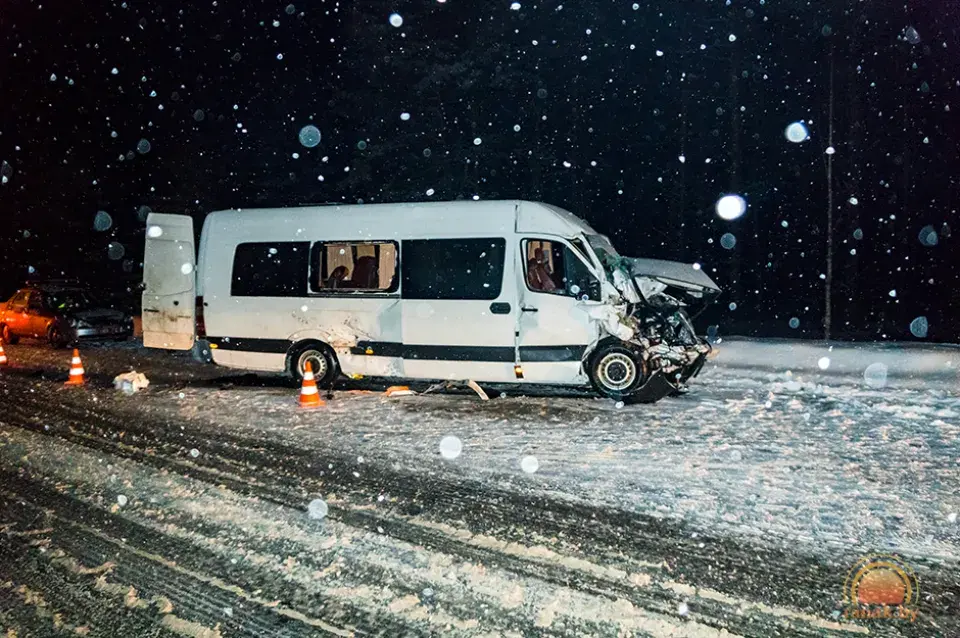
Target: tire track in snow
<point>101,533</point>
<point>266,459</point>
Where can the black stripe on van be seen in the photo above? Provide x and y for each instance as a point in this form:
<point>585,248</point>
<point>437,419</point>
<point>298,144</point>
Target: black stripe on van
<point>426,352</point>
<point>498,354</point>
<point>250,344</point>
<point>555,354</point>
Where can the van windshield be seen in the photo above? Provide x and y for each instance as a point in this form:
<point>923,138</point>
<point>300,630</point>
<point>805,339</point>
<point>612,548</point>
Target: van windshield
<point>606,253</point>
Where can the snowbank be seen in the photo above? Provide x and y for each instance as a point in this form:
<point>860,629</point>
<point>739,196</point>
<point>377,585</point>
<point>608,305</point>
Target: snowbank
<point>902,360</point>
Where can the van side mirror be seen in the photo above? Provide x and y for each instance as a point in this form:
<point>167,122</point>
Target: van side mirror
<point>593,289</point>
<point>589,291</point>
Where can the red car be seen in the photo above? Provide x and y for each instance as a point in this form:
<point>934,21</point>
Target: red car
<point>61,315</point>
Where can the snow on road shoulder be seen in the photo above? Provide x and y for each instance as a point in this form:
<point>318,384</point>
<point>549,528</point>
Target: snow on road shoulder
<point>902,362</point>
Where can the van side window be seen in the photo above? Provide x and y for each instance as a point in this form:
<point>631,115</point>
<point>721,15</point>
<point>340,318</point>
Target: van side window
<point>552,267</point>
<point>453,268</point>
<point>270,269</point>
<point>354,267</point>
<point>580,248</point>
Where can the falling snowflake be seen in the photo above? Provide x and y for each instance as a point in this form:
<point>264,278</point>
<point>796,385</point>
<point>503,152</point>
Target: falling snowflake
<point>797,132</point>
<point>529,464</point>
<point>919,327</point>
<point>730,207</point>
<point>450,447</point>
<point>309,136</point>
<point>317,509</point>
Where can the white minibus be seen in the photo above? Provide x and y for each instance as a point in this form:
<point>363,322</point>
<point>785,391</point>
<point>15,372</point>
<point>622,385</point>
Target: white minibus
<point>490,291</point>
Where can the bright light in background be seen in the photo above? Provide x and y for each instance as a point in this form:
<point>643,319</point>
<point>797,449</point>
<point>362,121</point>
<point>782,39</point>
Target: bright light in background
<point>730,207</point>
<point>396,19</point>
<point>797,132</point>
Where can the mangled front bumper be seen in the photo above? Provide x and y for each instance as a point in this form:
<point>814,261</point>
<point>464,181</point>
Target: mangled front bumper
<point>670,367</point>
<point>673,357</point>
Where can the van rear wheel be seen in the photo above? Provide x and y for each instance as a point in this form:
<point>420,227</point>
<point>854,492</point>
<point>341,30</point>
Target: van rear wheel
<point>323,362</point>
<point>616,371</point>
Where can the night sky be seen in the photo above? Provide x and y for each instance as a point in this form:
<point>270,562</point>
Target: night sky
<point>636,117</point>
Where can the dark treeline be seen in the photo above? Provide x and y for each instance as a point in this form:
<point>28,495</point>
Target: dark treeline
<point>637,120</point>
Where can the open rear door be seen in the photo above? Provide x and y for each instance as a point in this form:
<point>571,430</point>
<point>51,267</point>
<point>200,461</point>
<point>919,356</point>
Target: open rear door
<point>169,295</point>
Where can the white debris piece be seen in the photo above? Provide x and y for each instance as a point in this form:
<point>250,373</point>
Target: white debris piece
<point>130,382</point>
<point>476,388</point>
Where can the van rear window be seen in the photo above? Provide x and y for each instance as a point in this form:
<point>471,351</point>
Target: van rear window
<point>271,269</point>
<point>452,268</point>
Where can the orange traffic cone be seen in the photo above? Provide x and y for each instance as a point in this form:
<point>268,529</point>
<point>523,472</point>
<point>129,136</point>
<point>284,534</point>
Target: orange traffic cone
<point>3,357</point>
<point>309,395</point>
<point>76,370</point>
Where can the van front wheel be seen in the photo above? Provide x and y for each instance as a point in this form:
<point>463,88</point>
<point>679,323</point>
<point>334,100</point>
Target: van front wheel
<point>323,362</point>
<point>616,371</point>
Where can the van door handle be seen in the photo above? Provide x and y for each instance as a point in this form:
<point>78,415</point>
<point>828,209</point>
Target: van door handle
<point>500,308</point>
<point>528,309</point>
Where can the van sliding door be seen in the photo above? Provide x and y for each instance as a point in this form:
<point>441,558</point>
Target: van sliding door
<point>458,310</point>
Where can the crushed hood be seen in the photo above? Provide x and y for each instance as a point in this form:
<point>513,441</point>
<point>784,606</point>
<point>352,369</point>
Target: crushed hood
<point>674,274</point>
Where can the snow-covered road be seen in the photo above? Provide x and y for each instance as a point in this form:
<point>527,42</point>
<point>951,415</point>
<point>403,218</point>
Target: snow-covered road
<point>737,508</point>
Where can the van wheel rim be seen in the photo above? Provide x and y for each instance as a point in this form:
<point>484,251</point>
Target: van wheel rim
<point>318,363</point>
<point>617,371</point>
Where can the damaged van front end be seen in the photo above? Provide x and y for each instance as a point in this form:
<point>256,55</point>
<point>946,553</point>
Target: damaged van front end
<point>659,300</point>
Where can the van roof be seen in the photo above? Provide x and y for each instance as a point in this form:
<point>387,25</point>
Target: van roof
<point>398,220</point>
